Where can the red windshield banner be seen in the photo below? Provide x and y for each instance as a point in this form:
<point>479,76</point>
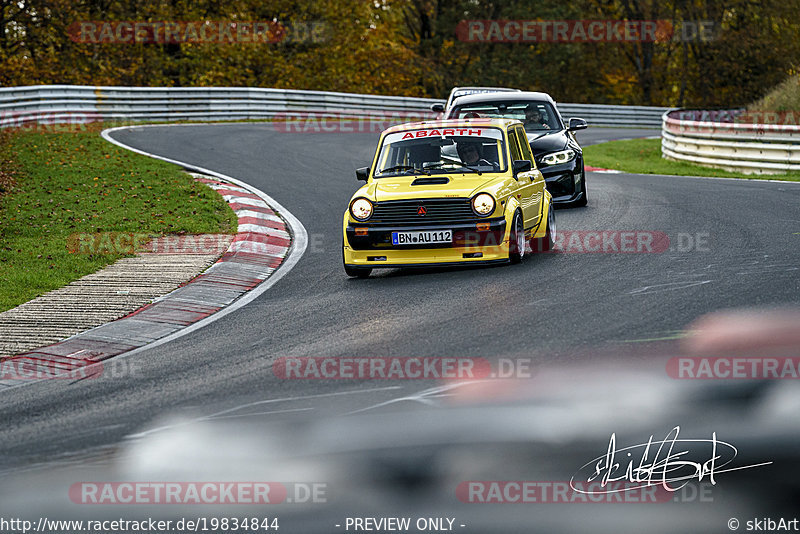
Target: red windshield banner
<point>476,132</point>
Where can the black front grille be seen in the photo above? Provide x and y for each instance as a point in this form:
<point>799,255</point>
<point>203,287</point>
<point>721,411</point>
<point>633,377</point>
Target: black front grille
<point>438,210</point>
<point>560,185</point>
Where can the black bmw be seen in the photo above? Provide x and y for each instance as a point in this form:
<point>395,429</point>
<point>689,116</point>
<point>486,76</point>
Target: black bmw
<point>555,149</point>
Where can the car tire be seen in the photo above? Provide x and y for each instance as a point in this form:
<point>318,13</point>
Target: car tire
<point>581,202</point>
<point>546,243</point>
<point>516,239</point>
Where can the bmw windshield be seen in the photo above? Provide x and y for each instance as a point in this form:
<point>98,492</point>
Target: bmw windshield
<point>442,150</point>
<point>535,115</point>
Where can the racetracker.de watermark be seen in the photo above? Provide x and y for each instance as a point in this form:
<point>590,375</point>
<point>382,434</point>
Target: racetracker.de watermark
<point>49,121</point>
<point>732,121</point>
<point>113,243</point>
<point>739,116</point>
<point>734,368</point>
<point>205,493</point>
<point>332,122</point>
<point>573,492</point>
<point>206,31</point>
<point>572,242</point>
<point>400,368</point>
<point>42,367</point>
<point>584,31</point>
<point>609,241</point>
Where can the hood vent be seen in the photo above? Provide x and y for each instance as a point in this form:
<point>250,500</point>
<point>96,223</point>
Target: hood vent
<point>440,180</point>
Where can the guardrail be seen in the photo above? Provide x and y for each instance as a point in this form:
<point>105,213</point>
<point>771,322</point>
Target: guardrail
<point>727,140</point>
<point>19,105</point>
<point>54,104</point>
<point>619,116</point>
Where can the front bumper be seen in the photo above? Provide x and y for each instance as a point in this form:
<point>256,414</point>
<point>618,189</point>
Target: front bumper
<point>469,245</point>
<point>565,182</point>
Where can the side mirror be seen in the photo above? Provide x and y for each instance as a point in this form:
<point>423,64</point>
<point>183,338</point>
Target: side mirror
<point>362,174</point>
<point>437,108</point>
<point>521,165</point>
<point>576,124</point>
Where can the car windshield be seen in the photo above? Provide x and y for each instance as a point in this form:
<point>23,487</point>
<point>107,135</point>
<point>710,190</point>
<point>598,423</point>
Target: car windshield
<point>465,91</point>
<point>536,115</point>
<point>442,150</point>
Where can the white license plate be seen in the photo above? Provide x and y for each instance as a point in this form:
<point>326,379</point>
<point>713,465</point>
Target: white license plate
<point>422,238</point>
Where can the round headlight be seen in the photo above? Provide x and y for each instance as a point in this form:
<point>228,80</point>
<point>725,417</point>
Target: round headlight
<point>361,209</point>
<point>483,204</point>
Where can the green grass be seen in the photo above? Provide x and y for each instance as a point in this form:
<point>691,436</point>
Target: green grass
<point>643,156</point>
<point>784,97</point>
<point>70,183</point>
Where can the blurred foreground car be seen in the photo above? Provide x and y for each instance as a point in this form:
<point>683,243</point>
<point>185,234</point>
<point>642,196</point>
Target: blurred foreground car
<point>447,192</point>
<point>500,465</point>
<point>457,92</point>
<point>555,148</point>
<point>540,454</point>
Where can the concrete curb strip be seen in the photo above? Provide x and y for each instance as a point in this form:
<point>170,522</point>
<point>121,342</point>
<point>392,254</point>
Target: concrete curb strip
<point>265,242</point>
<point>108,294</point>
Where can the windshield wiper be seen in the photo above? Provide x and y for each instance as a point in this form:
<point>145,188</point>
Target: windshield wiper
<point>473,169</point>
<point>403,168</point>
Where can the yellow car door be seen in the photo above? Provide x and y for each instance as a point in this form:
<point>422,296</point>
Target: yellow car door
<point>531,183</point>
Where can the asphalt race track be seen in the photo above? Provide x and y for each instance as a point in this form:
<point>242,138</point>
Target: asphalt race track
<point>552,307</point>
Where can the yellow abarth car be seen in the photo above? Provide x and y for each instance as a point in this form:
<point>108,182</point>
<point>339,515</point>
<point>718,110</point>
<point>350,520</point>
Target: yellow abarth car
<point>450,192</point>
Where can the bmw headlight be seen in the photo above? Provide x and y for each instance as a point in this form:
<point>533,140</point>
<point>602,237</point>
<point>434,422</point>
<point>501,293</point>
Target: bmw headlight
<point>361,209</point>
<point>557,158</point>
<point>483,204</point>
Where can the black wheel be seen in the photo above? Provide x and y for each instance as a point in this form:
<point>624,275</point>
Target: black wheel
<point>357,272</point>
<point>516,239</point>
<point>546,243</point>
<point>584,199</point>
